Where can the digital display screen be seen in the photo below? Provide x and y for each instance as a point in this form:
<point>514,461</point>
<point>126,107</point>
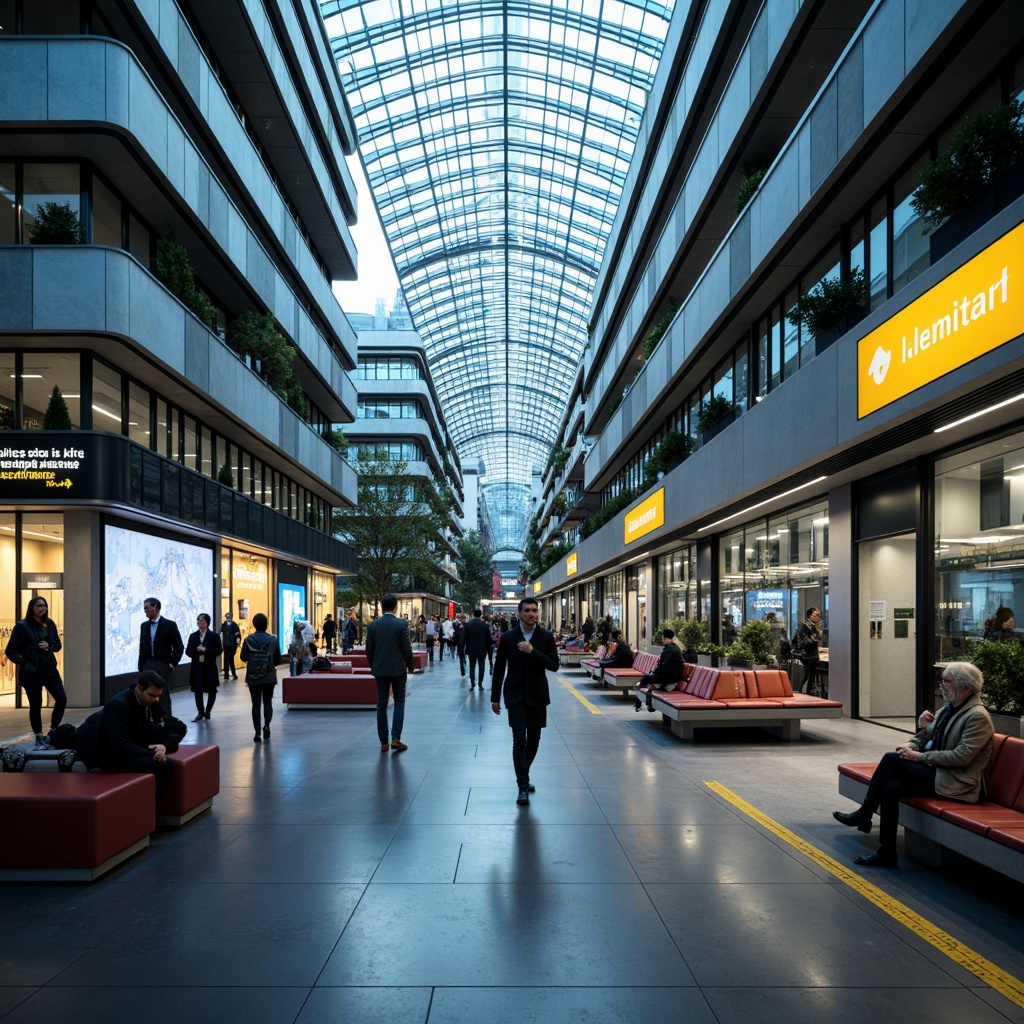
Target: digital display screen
<point>140,565</point>
<point>291,602</point>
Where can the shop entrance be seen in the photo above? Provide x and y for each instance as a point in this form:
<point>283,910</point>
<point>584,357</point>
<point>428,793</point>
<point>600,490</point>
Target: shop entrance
<point>887,628</point>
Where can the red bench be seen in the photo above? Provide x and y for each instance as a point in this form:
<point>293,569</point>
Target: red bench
<point>194,784</point>
<point>625,679</point>
<point>72,827</point>
<point>358,659</point>
<point>591,665</point>
<point>714,698</point>
<point>990,832</point>
<point>329,690</point>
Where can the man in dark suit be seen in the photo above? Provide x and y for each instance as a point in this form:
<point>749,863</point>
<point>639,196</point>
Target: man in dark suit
<point>476,635</point>
<point>389,654</point>
<point>160,648</point>
<point>524,655</point>
<point>667,674</point>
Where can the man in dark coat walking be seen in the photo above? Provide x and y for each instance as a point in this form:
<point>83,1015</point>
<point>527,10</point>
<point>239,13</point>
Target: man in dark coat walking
<point>160,648</point>
<point>476,636</point>
<point>389,653</point>
<point>525,653</point>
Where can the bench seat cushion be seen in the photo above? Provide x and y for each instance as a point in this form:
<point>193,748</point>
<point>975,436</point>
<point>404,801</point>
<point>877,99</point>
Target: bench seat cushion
<point>677,699</point>
<point>72,820</point>
<point>860,772</point>
<point>1012,837</point>
<point>196,779</point>
<point>623,673</point>
<point>329,688</point>
<point>983,816</point>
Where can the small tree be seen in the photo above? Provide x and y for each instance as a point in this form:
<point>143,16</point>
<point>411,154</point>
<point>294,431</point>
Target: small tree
<point>711,411</point>
<point>987,144</point>
<point>57,224</point>
<point>748,186</point>
<point>658,331</point>
<point>225,476</point>
<point>57,416</point>
<point>171,265</point>
<point>475,568</point>
<point>825,305</point>
<point>337,440</point>
<point>760,639</point>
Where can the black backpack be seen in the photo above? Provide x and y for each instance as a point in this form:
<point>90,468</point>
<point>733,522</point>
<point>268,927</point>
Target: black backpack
<point>320,664</point>
<point>260,665</point>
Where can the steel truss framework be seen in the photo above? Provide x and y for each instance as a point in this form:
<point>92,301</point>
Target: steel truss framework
<point>497,135</point>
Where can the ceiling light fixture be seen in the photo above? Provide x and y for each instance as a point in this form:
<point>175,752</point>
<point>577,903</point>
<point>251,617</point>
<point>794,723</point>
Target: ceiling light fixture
<point>761,504</point>
<point>981,412</point>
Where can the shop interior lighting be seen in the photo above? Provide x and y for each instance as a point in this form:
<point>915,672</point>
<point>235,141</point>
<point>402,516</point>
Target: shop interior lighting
<point>109,415</point>
<point>32,533</point>
<point>761,504</point>
<point>981,412</point>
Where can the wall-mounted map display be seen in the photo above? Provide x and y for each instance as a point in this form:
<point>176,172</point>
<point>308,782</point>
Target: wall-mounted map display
<point>141,565</point>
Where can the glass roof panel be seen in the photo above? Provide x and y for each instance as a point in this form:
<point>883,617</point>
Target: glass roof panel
<point>496,136</point>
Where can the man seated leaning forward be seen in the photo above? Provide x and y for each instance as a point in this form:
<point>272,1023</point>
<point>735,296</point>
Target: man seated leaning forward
<point>130,721</point>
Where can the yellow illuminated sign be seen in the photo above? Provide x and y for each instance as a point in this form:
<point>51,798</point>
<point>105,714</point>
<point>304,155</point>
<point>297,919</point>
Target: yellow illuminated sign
<point>974,310</point>
<point>644,518</point>
<point>571,564</point>
<point>536,587</point>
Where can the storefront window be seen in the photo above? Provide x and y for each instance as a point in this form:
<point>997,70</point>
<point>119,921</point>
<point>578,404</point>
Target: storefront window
<point>979,541</point>
<point>42,371</point>
<point>9,613</point>
<point>206,453</point>
<point>106,398</point>
<point>677,584</point>
<point>8,201</point>
<point>612,603</point>
<point>7,385</point>
<point>48,183</point>
<point>910,246</point>
<point>191,443</point>
<point>106,215</point>
<point>42,566</point>
<point>138,414</point>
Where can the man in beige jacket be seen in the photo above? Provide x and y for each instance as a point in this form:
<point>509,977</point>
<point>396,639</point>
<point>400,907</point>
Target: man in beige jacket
<point>946,758</point>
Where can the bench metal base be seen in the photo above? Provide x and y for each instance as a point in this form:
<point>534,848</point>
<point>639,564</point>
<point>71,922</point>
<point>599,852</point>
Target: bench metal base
<point>177,820</point>
<point>685,728</point>
<point>72,874</point>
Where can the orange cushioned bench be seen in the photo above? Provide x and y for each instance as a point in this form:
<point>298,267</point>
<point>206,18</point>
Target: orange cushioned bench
<point>329,690</point>
<point>194,784</point>
<point>716,698</point>
<point>72,827</point>
<point>990,832</point>
<point>591,666</point>
<point>625,679</point>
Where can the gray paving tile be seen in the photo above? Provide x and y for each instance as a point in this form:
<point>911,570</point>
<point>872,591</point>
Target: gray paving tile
<point>563,1005</point>
<point>241,934</point>
<point>787,935</point>
<point>638,804</point>
<point>814,1004</point>
<point>366,1006</point>
<point>502,935</point>
<point>92,1005</point>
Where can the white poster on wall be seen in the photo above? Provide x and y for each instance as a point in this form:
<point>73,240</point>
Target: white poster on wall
<point>876,611</point>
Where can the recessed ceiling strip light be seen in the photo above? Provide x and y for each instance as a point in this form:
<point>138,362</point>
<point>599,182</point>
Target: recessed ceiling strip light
<point>981,412</point>
<point>760,504</point>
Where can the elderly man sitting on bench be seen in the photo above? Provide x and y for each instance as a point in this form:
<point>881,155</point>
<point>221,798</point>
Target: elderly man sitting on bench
<point>668,673</point>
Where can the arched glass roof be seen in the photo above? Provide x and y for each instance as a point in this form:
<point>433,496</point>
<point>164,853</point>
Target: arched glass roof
<point>496,136</point>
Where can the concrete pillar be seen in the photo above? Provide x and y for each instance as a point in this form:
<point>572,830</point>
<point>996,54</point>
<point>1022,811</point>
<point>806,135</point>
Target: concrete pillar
<point>83,607</point>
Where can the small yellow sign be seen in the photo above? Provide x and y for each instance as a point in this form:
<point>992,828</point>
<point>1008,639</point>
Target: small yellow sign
<point>536,587</point>
<point>572,564</point>
<point>646,517</point>
<point>974,310</point>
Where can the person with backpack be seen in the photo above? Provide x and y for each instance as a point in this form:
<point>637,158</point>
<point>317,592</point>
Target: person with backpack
<point>804,647</point>
<point>261,655</point>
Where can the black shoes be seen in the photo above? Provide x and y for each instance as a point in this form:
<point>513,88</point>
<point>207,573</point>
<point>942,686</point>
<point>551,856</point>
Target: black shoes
<point>256,738</point>
<point>881,858</point>
<point>637,704</point>
<point>199,717</point>
<point>531,787</point>
<point>266,732</point>
<point>524,797</point>
<point>855,819</point>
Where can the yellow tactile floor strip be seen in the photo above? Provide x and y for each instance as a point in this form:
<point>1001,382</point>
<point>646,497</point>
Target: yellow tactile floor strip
<point>995,977</point>
<point>579,696</point>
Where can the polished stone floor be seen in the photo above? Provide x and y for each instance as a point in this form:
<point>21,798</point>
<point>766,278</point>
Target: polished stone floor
<point>331,882</point>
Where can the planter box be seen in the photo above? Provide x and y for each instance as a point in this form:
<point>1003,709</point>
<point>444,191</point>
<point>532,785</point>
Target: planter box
<point>704,659</point>
<point>717,427</point>
<point>1008,725</point>
<point>996,196</point>
<point>739,663</point>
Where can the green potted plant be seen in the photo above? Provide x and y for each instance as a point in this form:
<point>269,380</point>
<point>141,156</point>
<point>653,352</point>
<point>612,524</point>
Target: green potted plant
<point>657,332</point>
<point>978,174</point>
<point>559,458</point>
<point>57,416</point>
<point>57,224</point>
<point>1002,666</point>
<point>760,638</point>
<point>172,266</point>
<point>716,413</point>
<point>672,449</point>
<point>748,186</point>
<point>718,654</point>
<point>560,506</point>
<point>6,417</point>
<point>337,440</point>
<point>225,476</point>
<point>739,655</point>
<point>830,308</point>
<point>692,635</point>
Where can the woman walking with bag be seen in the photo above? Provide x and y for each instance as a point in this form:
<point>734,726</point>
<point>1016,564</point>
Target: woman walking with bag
<point>261,655</point>
<point>33,647</point>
